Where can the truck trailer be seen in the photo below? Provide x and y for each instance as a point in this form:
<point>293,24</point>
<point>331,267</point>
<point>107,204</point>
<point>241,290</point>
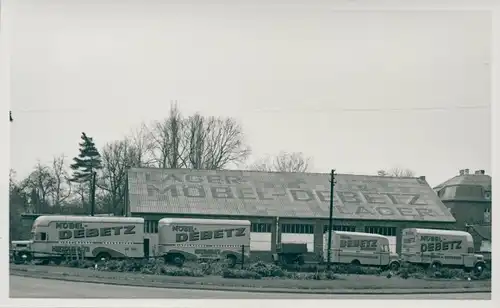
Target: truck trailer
<point>54,237</point>
<point>437,248</point>
<point>185,239</point>
<point>358,248</point>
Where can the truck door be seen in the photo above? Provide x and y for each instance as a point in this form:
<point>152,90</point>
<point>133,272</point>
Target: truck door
<point>146,247</point>
<point>384,254</point>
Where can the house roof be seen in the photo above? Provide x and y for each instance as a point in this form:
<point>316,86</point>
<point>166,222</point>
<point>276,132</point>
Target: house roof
<point>469,187</point>
<point>482,180</point>
<point>483,231</point>
<point>278,194</point>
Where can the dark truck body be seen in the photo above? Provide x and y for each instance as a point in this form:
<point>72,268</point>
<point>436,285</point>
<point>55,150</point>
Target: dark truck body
<point>290,253</point>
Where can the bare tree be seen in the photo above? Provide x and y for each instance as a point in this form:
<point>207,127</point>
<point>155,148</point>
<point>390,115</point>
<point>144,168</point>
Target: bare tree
<point>140,139</point>
<point>117,158</point>
<point>216,143</point>
<point>396,172</point>
<point>165,138</point>
<point>196,142</point>
<point>41,183</point>
<point>283,162</point>
<point>17,205</point>
<point>62,184</point>
<point>195,138</point>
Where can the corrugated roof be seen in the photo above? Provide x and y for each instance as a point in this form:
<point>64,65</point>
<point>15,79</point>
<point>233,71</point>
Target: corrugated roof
<point>306,195</point>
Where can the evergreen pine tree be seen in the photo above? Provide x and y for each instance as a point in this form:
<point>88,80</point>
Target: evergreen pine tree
<point>87,162</point>
<point>85,167</point>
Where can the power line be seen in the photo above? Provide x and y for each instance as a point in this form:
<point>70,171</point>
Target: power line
<point>50,110</point>
<point>411,109</point>
<point>305,109</point>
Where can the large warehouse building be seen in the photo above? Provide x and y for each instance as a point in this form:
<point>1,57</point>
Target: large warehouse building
<point>282,204</point>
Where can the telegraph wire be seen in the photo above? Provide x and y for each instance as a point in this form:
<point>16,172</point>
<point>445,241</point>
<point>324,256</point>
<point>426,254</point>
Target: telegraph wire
<point>411,109</point>
<point>289,110</point>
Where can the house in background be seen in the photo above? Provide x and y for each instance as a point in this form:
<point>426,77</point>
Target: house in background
<point>482,239</point>
<point>468,198</point>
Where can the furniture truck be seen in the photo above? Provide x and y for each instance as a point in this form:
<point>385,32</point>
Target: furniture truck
<point>440,248</point>
<point>56,237</point>
<point>186,239</point>
<point>358,248</point>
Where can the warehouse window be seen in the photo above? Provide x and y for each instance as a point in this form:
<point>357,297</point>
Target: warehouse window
<point>340,228</point>
<point>151,226</point>
<point>261,228</point>
<point>387,231</point>
<point>297,228</point>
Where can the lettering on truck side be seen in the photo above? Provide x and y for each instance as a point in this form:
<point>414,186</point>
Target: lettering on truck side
<point>441,246</point>
<point>81,232</point>
<point>208,235</point>
<point>363,244</point>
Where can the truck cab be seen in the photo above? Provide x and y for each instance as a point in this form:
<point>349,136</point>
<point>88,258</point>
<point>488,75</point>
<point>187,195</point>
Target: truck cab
<point>20,251</point>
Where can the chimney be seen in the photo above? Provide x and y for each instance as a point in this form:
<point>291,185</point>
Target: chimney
<point>481,171</point>
<point>422,178</point>
<point>466,171</point>
<point>462,172</point>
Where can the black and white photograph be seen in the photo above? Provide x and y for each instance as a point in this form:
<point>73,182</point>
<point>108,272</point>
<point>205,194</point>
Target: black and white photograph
<point>317,150</point>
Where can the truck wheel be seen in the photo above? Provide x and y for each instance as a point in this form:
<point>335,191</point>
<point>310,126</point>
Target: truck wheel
<point>356,263</point>
<point>103,256</point>
<point>231,261</point>
<point>45,262</point>
<point>436,266</point>
<point>178,260</point>
<point>24,256</point>
<point>479,268</point>
<point>57,261</point>
<point>394,266</point>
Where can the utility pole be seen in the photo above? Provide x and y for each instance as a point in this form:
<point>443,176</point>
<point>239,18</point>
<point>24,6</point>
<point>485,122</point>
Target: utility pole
<point>330,219</point>
<point>92,202</point>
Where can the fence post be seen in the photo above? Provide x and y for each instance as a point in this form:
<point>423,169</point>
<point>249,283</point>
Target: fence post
<point>242,256</point>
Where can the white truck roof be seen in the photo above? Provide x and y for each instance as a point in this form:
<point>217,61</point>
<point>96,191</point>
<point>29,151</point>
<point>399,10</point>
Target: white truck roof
<point>46,220</point>
<point>357,234</point>
<point>201,221</point>
<point>440,232</point>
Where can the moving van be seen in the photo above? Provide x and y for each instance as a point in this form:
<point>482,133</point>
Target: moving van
<point>437,248</point>
<point>183,239</point>
<point>54,237</point>
<point>360,248</point>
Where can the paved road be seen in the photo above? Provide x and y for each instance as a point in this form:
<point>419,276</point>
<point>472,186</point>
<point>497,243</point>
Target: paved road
<point>23,287</point>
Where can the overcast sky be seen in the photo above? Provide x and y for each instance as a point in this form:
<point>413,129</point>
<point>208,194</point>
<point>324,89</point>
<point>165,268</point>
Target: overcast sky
<point>290,75</point>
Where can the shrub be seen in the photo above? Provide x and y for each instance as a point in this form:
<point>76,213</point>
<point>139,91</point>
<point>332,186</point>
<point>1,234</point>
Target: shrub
<point>185,272</point>
<point>408,270</point>
<point>327,275</point>
<point>267,269</point>
<point>355,269</point>
<point>449,273</point>
<point>213,268</point>
<point>241,274</point>
<point>81,263</point>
